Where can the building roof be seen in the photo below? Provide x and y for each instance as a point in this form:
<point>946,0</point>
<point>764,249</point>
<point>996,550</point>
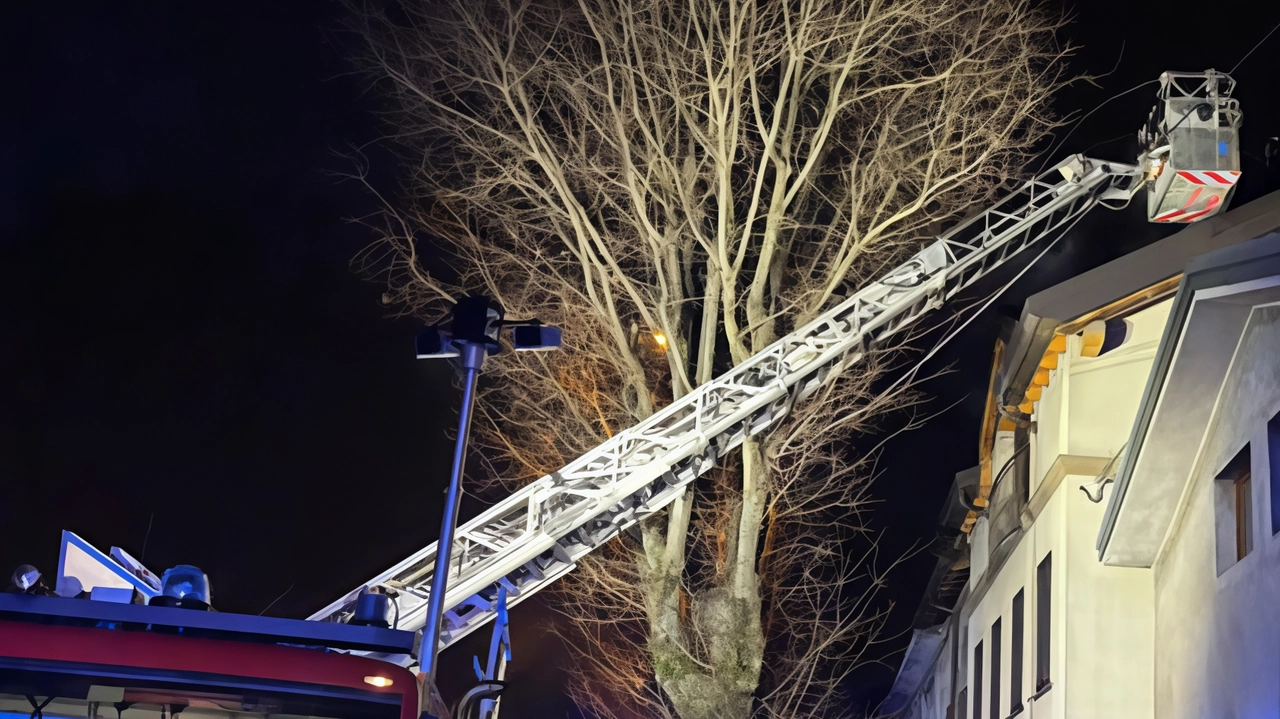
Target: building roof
<point>942,593</point>
<point>1088,292</point>
<point>916,665</point>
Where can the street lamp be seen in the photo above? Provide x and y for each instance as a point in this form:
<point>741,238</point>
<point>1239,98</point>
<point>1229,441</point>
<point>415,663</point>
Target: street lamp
<point>472,335</point>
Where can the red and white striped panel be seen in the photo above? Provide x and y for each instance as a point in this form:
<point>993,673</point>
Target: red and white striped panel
<point>1210,178</point>
<point>1185,213</point>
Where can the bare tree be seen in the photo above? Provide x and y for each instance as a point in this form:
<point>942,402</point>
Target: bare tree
<point>676,184</point>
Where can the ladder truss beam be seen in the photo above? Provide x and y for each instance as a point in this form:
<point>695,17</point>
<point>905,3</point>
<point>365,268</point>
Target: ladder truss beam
<point>530,539</point>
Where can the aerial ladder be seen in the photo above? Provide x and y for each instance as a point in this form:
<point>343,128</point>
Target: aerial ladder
<point>110,631</point>
<point>1189,165</point>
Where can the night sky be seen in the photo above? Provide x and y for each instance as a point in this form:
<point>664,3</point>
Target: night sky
<point>183,343</point>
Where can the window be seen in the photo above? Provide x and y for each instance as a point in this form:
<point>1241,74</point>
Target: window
<point>977,681</point>
<point>1233,510</point>
<point>1015,656</point>
<point>1044,594</point>
<point>1273,451</point>
<point>1244,491</point>
<point>960,658</point>
<point>994,712</point>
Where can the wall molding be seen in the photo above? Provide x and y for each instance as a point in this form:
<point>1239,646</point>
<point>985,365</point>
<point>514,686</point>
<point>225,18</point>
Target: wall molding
<point>1063,465</point>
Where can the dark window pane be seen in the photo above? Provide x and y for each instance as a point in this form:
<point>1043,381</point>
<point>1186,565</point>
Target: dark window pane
<point>977,681</point>
<point>1015,655</point>
<point>994,712</point>
<point>1239,465</point>
<point>963,703</point>
<point>1273,450</point>
<point>1044,596</point>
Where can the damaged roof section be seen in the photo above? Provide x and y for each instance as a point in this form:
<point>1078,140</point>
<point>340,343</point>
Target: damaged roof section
<point>942,595</point>
<point>1139,279</point>
<point>1121,286</point>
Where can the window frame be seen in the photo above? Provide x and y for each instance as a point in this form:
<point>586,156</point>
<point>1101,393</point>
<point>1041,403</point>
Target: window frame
<point>1273,470</point>
<point>1238,474</point>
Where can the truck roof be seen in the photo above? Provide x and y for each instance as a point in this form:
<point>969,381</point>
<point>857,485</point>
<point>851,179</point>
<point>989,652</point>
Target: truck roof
<point>217,625</point>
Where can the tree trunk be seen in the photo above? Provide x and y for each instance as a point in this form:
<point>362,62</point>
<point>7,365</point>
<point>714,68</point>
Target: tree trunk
<point>719,681</point>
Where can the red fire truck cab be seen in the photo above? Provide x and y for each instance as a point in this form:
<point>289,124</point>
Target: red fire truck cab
<point>82,658</point>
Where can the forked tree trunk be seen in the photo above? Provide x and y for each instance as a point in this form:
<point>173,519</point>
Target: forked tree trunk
<point>724,618</point>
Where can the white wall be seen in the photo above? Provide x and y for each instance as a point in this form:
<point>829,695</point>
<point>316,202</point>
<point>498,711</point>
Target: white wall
<point>1049,534</point>
<point>1185,639</point>
<point>1050,416</point>
<point>1105,391</point>
<point>1103,622</point>
<point>1217,649</point>
<point>1016,574</point>
<point>1110,621</point>
<point>1090,404</point>
<point>996,604</point>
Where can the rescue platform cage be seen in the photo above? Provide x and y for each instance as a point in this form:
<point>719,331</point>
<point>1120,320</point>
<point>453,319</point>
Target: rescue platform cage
<point>1192,146</point>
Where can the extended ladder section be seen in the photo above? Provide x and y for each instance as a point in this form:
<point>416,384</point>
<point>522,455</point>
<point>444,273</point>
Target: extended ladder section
<point>534,536</point>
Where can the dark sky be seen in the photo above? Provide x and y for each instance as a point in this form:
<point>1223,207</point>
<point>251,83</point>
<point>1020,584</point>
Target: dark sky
<point>181,335</point>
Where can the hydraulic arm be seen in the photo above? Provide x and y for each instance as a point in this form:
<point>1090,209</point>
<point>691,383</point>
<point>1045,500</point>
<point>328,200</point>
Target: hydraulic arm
<point>534,536</point>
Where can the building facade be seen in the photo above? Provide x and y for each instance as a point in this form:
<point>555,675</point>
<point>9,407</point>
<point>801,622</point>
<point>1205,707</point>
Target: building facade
<point>1119,542</point>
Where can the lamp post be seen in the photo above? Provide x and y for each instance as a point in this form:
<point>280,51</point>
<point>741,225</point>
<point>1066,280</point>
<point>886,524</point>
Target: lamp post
<point>472,336</point>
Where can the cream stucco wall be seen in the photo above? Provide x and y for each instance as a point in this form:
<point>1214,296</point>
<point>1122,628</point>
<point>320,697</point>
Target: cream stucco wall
<point>1105,391</point>
<point>1217,650</point>
<point>1052,432</point>
<point>1102,627</point>
<point>1091,402</point>
<point>1109,622</point>
<point>1101,620</point>
<point>995,604</point>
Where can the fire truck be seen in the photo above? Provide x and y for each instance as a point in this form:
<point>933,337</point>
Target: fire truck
<point>110,639</point>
